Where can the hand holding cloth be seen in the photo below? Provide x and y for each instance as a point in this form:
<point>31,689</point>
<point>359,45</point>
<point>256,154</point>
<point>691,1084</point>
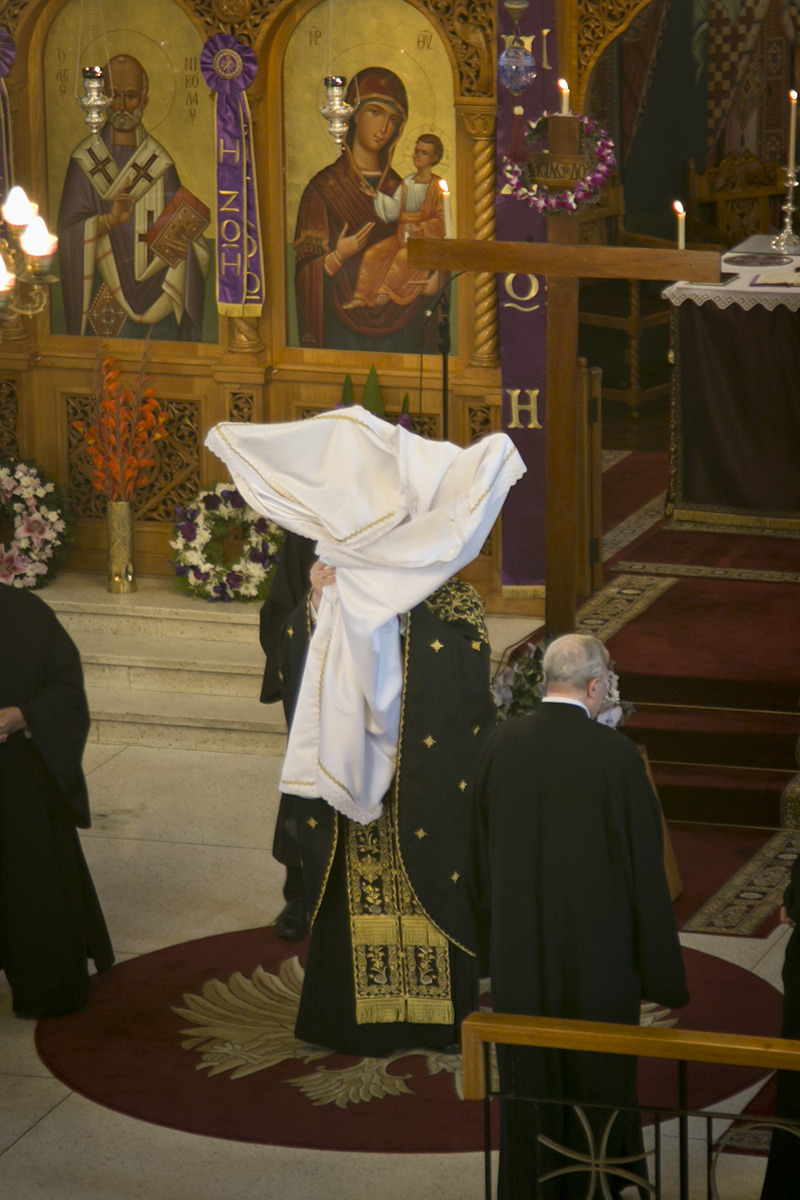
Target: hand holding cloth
<point>396,515</point>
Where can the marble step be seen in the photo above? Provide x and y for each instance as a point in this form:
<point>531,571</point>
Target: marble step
<point>158,664</point>
<point>165,669</point>
<point>232,724</point>
<point>156,609</point>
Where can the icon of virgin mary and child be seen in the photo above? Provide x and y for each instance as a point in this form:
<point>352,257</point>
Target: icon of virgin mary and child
<point>354,288</point>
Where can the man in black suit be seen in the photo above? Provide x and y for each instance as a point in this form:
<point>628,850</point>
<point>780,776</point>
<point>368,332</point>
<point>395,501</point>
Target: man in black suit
<point>575,916</point>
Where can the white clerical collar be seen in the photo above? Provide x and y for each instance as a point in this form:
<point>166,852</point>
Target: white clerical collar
<point>565,700</point>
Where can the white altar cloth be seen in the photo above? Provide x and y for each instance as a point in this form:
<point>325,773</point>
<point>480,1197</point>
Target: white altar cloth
<point>741,289</point>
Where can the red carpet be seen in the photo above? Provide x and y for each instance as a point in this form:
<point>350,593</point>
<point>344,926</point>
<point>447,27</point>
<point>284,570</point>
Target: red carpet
<point>707,857</point>
<point>734,552</point>
<point>713,665</point>
<point>714,642</point>
<point>765,740</point>
<point>132,1053</point>
<point>632,483</point>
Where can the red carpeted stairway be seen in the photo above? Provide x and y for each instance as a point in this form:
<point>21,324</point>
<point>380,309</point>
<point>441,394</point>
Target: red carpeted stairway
<point>713,666</point>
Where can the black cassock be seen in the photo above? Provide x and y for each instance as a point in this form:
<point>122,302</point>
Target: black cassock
<point>391,961</point>
<point>782,1181</point>
<point>50,918</point>
<point>576,921</point>
<point>285,659</point>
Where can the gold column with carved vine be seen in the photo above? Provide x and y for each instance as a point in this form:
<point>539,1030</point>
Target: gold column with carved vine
<point>246,338</point>
<point>480,125</point>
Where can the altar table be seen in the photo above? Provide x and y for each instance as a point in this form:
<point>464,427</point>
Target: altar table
<point>735,444</point>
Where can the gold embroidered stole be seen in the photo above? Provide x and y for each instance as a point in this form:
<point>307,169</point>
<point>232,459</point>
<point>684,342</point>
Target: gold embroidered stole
<point>401,961</point>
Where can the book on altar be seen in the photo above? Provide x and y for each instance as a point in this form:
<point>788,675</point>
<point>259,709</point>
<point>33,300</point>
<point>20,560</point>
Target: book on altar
<point>185,217</point>
<point>776,279</point>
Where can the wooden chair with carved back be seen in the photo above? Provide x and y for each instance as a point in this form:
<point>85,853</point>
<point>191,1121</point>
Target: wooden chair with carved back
<point>623,324</point>
<point>735,199</point>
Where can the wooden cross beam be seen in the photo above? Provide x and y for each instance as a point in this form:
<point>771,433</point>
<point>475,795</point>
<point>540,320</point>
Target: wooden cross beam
<point>562,261</point>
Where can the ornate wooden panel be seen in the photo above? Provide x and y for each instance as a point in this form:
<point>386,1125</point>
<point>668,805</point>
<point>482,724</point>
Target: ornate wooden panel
<point>241,406</point>
<point>9,413</point>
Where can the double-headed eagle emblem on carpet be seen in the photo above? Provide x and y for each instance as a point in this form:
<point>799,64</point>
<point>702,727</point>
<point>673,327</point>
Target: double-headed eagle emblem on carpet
<point>247,1025</point>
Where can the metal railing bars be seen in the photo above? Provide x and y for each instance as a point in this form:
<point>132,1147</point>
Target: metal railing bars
<point>482,1030</point>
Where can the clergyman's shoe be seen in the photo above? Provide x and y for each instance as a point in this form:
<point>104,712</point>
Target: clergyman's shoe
<point>292,923</point>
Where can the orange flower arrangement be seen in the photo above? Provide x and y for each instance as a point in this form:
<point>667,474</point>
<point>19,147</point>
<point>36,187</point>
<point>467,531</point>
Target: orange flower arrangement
<point>125,426</point>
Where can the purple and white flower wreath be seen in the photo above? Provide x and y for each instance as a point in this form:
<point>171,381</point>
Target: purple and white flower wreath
<point>201,528</point>
<point>599,148</point>
<point>41,521</point>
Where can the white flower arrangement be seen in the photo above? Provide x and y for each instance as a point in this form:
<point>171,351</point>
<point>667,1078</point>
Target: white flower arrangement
<point>200,564</point>
<point>41,521</point>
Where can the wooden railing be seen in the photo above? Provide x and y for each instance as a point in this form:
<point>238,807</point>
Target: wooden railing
<point>606,1038</point>
<point>681,1046</point>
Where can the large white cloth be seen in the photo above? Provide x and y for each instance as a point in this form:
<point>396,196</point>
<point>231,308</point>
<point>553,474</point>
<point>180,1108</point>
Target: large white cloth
<point>396,515</point>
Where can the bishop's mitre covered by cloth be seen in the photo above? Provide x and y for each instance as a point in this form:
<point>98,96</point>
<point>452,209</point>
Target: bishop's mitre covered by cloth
<point>396,515</point>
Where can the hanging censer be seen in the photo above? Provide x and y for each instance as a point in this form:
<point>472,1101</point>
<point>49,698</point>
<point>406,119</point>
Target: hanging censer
<point>94,102</point>
<point>337,112</point>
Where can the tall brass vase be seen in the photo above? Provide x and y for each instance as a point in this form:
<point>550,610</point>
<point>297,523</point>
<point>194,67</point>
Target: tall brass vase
<point>121,575</point>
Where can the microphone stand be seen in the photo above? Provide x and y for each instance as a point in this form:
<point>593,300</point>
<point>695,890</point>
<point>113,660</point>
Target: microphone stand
<point>441,301</point>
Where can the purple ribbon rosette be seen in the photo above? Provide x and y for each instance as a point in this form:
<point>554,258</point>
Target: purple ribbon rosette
<point>8,52</point>
<point>229,67</point>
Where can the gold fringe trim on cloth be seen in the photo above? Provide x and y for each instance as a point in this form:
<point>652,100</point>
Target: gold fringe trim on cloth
<point>418,931</point>
<point>430,1012</point>
<point>401,961</point>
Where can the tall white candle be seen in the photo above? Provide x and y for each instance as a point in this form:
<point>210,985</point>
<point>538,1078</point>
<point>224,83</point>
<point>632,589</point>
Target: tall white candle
<point>448,227</point>
<point>564,86</point>
<point>792,127</point>
<point>680,212</point>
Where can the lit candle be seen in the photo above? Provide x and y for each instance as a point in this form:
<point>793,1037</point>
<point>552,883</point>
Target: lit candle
<point>680,212</point>
<point>38,241</point>
<point>18,210</point>
<point>7,280</point>
<point>564,87</point>
<point>792,127</point>
<point>448,227</point>
<point>38,245</point>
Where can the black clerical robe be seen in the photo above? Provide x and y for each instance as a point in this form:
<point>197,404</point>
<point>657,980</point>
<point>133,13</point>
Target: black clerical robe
<point>285,658</point>
<point>50,918</point>
<point>576,921</point>
<point>391,961</point>
<point>782,1181</point>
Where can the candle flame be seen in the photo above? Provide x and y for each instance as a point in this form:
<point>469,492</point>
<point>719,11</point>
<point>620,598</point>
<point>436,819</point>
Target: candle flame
<point>793,96</point>
<point>444,187</point>
<point>7,280</point>
<point>37,240</point>
<point>679,209</point>
<point>562,83</point>
<point>18,209</point>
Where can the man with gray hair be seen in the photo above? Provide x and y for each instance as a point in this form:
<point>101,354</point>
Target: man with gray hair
<point>575,919</point>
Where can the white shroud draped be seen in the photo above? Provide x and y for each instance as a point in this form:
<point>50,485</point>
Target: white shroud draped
<point>396,515</point>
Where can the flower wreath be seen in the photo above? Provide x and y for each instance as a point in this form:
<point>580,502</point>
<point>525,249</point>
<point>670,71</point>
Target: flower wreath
<point>201,528</point>
<point>42,520</point>
<point>595,142</point>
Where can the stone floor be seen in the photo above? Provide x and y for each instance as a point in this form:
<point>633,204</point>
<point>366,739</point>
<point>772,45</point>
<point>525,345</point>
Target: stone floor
<point>180,849</point>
